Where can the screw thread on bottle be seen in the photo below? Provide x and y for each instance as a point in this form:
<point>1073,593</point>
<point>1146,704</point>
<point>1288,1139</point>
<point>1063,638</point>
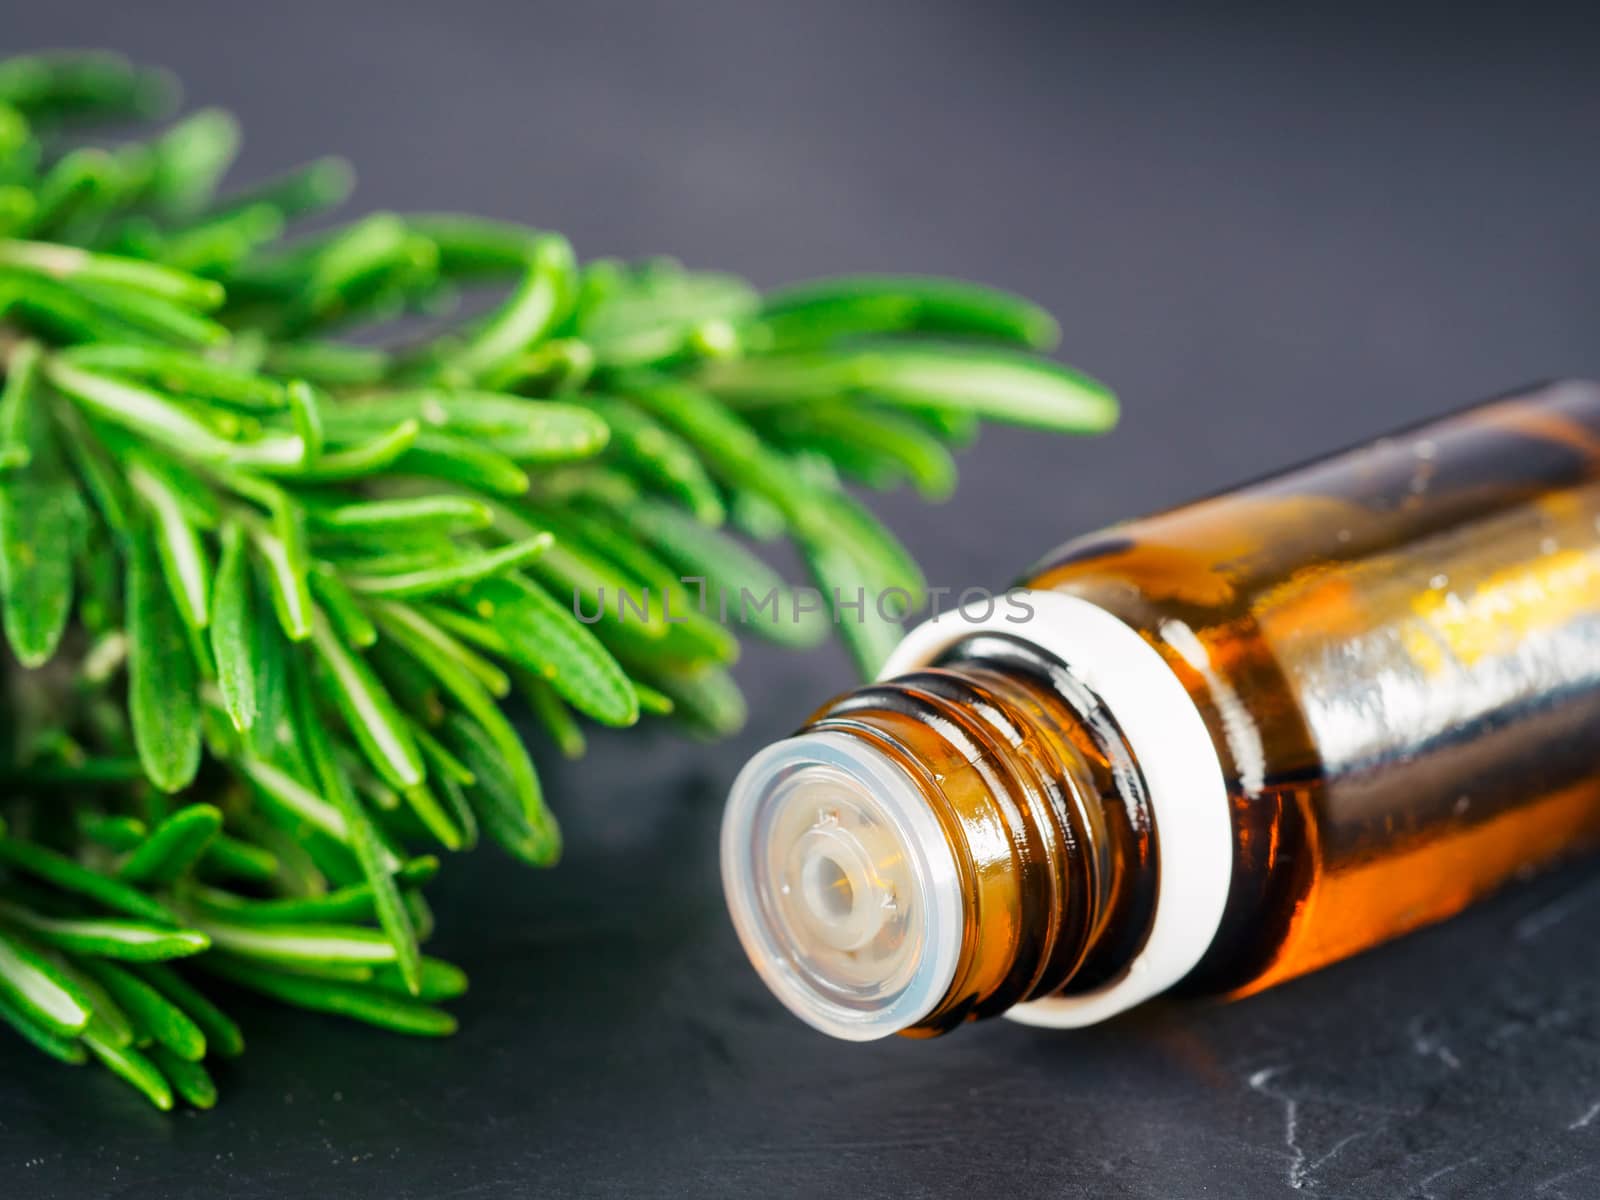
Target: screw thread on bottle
<point>1044,841</point>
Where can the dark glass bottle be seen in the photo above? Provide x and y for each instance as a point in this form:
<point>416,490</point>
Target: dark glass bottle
<point>1215,747</point>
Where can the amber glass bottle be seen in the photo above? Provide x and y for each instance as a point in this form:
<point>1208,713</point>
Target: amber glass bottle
<point>1215,747</point>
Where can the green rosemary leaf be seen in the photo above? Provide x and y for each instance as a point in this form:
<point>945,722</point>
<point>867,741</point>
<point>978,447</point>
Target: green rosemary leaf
<point>525,831</point>
<point>321,184</point>
<point>232,858</point>
<point>41,517</point>
<point>393,740</point>
<point>286,581</point>
<point>660,458</point>
<point>875,447</point>
<point>815,514</point>
<point>528,315</point>
<point>553,714</point>
<point>296,941</point>
<point>349,620</point>
<point>305,407</point>
<point>190,158</point>
<point>62,872</point>
<point>116,831</point>
<point>295,798</point>
<point>424,639</point>
<point>354,460</point>
<point>755,516</point>
<point>63,1049</point>
<point>558,366</point>
<point>473,247</point>
<point>996,385</point>
<point>234,635</point>
<point>153,1015</point>
<point>100,475</point>
<point>522,429</point>
<point>83,83</point>
<point>134,1067</point>
<point>192,1081</point>
<point>543,636</point>
<point>652,701</point>
<point>457,573</point>
<point>77,187</point>
<point>108,1022</point>
<point>331,364</point>
<point>659,311</point>
<point>60,314</point>
<point>221,1033</point>
<point>164,320</point>
<point>51,260</point>
<point>843,523</point>
<point>163,679</point>
<point>152,415</point>
<point>440,980</point>
<point>335,972</point>
<point>184,560</point>
<point>46,996</point>
<point>869,632</point>
<point>347,904</point>
<point>17,203</point>
<point>453,799</point>
<point>538,838</point>
<point>411,513</point>
<point>434,817</point>
<point>16,137</point>
<point>462,461</point>
<point>353,254</point>
<point>108,937</point>
<point>401,1014</point>
<point>815,314</point>
<point>213,247</point>
<point>686,633</point>
<point>369,712</point>
<point>741,583</point>
<point>173,846</point>
<point>704,697</point>
<point>179,371</point>
<point>445,766</point>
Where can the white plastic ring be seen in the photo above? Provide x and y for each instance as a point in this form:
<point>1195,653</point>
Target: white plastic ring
<point>1176,756</point>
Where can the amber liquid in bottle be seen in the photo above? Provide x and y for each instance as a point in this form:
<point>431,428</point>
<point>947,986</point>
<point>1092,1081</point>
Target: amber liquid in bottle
<point>1233,742</point>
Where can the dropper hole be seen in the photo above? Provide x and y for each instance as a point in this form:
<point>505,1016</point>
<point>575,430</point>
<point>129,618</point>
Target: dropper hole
<point>828,889</point>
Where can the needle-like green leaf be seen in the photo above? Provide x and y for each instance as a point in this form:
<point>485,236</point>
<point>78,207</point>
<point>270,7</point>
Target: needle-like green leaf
<point>545,637</point>
<point>41,515</point>
<point>134,1067</point>
<point>163,682</point>
<point>173,846</point>
<point>369,712</point>
<point>234,633</point>
<point>152,1014</point>
<point>816,314</point>
<point>375,1007</point>
<point>221,1034</point>
<point>108,937</point>
<point>32,984</point>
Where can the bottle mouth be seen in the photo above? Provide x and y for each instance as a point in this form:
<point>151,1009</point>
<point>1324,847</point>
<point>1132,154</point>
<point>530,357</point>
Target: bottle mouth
<point>842,885</point>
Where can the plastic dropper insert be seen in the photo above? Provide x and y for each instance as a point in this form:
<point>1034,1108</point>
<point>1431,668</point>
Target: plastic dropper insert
<point>842,885</point>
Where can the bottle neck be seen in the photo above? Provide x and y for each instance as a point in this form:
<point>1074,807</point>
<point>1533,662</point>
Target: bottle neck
<point>1011,857</point>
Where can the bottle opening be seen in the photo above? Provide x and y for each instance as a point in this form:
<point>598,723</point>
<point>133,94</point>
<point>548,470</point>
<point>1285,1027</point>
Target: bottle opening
<point>842,885</point>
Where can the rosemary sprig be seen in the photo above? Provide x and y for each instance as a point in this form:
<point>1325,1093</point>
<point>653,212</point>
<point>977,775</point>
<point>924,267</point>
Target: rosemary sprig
<point>265,589</point>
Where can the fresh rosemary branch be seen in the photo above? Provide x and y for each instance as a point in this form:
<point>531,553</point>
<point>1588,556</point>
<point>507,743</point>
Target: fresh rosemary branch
<point>265,588</point>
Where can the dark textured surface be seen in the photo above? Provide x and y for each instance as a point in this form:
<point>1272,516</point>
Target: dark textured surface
<point>1274,231</point>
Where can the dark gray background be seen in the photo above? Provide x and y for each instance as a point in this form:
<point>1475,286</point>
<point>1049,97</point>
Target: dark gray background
<point>1275,230</point>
